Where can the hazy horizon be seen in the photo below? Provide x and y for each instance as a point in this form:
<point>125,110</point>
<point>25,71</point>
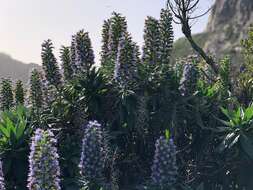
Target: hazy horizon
<point>24,26</point>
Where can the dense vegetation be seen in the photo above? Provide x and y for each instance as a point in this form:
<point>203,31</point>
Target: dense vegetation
<point>139,121</point>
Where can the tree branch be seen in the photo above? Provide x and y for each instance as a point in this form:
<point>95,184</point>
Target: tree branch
<point>183,11</point>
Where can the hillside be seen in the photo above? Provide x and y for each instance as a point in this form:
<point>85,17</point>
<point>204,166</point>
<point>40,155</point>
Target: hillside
<point>183,48</point>
<point>14,69</point>
<point>228,24</point>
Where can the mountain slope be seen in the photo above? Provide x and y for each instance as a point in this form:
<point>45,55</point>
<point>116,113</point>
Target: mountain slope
<point>14,69</point>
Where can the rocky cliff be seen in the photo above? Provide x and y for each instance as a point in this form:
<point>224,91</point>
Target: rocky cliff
<point>228,24</point>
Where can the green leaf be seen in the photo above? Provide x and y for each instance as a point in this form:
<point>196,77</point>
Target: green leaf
<point>20,131</point>
<point>226,112</point>
<point>9,123</point>
<point>248,115</point>
<point>167,134</point>
<point>5,131</point>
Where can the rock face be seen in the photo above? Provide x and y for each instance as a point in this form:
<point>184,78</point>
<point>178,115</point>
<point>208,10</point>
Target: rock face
<point>228,24</point>
<point>235,12</point>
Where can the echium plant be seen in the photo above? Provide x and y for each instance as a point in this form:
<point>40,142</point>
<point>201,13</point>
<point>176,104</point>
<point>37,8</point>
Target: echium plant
<point>73,54</point>
<point>44,170</point>
<point>125,72</point>
<point>113,29</point>
<point>50,65</point>
<point>6,95</point>
<point>93,154</point>
<point>66,63</point>
<point>117,28</point>
<point>19,93</point>
<point>188,82</point>
<point>49,92</point>
<point>84,55</point>
<point>36,99</point>
<point>151,49</point>
<point>2,184</point>
<point>167,35</point>
<point>105,41</point>
<point>164,168</point>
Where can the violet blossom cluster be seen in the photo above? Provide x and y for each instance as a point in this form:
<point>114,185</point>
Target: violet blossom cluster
<point>125,71</point>
<point>44,169</point>
<point>93,152</point>
<point>164,168</point>
<point>82,52</point>
<point>189,79</point>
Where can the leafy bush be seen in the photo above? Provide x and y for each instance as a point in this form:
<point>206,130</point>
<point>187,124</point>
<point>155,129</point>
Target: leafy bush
<point>15,131</point>
<point>238,129</point>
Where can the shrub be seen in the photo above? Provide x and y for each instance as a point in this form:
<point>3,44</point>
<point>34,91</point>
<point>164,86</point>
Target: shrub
<point>15,131</point>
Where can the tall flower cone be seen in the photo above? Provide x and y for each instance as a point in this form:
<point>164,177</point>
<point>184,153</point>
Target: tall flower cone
<point>93,152</point>
<point>44,169</point>
<point>164,168</point>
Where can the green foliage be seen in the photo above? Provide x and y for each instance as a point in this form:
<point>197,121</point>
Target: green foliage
<point>15,131</point>
<point>244,82</point>
<point>224,72</point>
<point>247,44</point>
<point>19,93</point>
<point>238,130</point>
<point>7,99</point>
<point>91,93</point>
<point>14,128</point>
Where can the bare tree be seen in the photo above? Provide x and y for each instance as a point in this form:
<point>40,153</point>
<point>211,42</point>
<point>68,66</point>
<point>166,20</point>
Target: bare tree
<point>184,12</point>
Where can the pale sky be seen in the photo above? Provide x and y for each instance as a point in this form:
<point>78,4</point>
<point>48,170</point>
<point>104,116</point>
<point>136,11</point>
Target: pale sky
<point>25,24</point>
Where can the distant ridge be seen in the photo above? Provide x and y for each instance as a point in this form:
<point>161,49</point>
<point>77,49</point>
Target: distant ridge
<point>14,69</point>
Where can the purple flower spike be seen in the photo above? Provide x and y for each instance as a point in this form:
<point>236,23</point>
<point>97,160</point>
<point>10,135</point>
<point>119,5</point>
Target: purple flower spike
<point>93,152</point>
<point>44,169</point>
<point>164,168</point>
